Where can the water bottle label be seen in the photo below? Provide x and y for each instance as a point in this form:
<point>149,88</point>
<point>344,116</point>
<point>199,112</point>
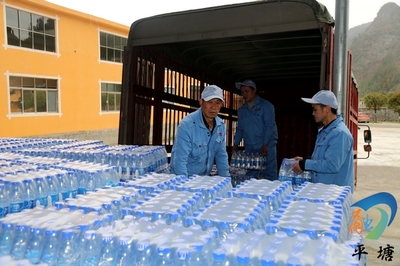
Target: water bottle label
<point>43,201</point>
<point>124,170</point>
<point>3,211</point>
<point>81,191</point>
<point>29,204</point>
<point>54,198</point>
<point>16,207</point>
<point>74,193</point>
<point>65,195</point>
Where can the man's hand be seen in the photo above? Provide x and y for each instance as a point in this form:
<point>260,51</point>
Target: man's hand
<point>264,150</point>
<point>296,167</point>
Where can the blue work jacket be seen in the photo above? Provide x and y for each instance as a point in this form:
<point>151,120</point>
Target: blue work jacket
<point>256,126</point>
<point>332,161</point>
<point>196,149</point>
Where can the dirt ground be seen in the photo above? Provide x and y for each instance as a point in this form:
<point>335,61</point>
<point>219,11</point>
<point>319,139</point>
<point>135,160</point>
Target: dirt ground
<point>381,173</point>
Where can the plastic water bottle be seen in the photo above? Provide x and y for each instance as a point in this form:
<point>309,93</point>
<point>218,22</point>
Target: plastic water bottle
<point>31,194</point>
<point>4,201</point>
<point>73,184</point>
<point>20,242</point>
<point>109,251</point>
<point>164,255</point>
<point>183,257</point>
<point>53,186</point>
<point>144,256</point>
<point>7,238</point>
<point>35,246</point>
<point>67,252</point>
<point>50,249</point>
<point>92,249</point>
<point>63,185</point>
<point>197,258</point>
<point>141,165</point>
<point>17,197</point>
<point>127,254</point>
<point>42,191</point>
<point>219,258</point>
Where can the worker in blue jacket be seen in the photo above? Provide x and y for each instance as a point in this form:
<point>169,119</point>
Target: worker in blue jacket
<point>201,138</point>
<point>257,127</point>
<point>332,159</point>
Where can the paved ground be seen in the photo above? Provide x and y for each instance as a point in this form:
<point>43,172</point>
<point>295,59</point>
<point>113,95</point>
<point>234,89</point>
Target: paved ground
<point>381,173</point>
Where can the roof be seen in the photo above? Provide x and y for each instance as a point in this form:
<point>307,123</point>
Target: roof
<point>259,40</point>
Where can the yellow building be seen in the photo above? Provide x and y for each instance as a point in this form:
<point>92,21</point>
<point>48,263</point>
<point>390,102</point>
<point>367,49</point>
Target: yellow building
<point>61,71</point>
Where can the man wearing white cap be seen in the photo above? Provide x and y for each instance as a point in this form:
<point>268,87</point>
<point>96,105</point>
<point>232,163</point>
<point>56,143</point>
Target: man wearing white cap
<point>332,159</point>
<point>257,128</point>
<point>200,139</point>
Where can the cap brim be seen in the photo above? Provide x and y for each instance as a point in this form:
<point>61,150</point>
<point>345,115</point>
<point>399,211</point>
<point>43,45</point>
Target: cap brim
<point>309,100</point>
<point>213,97</point>
<point>239,85</point>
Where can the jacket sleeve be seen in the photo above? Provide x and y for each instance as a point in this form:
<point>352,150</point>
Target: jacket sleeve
<point>239,130</point>
<point>334,156</point>
<point>221,157</point>
<point>269,122</point>
<point>182,145</point>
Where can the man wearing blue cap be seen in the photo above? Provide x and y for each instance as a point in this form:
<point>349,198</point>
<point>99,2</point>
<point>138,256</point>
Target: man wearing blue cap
<point>200,139</point>
<point>332,159</point>
<point>257,127</point>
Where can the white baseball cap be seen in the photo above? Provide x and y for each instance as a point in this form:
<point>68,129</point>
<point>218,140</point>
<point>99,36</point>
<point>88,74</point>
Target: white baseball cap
<point>212,92</point>
<point>324,97</point>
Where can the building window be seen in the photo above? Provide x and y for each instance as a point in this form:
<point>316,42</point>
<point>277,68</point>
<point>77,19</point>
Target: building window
<point>29,30</point>
<point>33,95</point>
<point>110,97</point>
<point>111,47</point>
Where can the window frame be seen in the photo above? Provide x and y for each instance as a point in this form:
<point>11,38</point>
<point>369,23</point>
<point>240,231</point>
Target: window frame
<point>100,31</point>
<point>20,47</point>
<point>23,89</point>
<point>115,93</point>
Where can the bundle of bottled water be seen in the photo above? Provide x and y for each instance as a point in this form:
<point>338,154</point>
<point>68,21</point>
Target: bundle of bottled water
<point>238,175</point>
<point>246,160</point>
<point>274,247</point>
<point>153,181</point>
<point>328,194</point>
<point>210,187</point>
<point>275,192</point>
<point>287,174</point>
<point>34,234</point>
<point>313,218</point>
<point>117,201</point>
<point>131,160</point>
<point>249,214</point>
<point>24,185</point>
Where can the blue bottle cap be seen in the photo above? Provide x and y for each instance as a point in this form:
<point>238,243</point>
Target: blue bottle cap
<point>51,232</point>
<point>184,254</point>
<point>143,245</point>
<point>219,255</point>
<point>268,259</point>
<point>107,238</point>
<point>22,227</point>
<point>242,257</point>
<point>67,234</point>
<point>7,225</point>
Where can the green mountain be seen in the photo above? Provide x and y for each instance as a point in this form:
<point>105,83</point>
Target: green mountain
<point>376,52</point>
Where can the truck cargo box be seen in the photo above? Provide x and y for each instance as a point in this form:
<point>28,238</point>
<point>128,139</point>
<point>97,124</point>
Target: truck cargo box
<point>286,47</point>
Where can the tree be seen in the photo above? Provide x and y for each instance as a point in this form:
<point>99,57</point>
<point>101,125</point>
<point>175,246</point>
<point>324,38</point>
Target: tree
<point>394,102</point>
<point>375,100</point>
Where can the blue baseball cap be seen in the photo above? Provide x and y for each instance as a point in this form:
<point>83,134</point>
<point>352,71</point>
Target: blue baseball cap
<point>324,97</point>
<point>247,82</point>
<point>212,92</point>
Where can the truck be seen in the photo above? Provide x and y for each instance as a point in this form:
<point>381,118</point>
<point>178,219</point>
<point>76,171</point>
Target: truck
<point>286,47</point>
